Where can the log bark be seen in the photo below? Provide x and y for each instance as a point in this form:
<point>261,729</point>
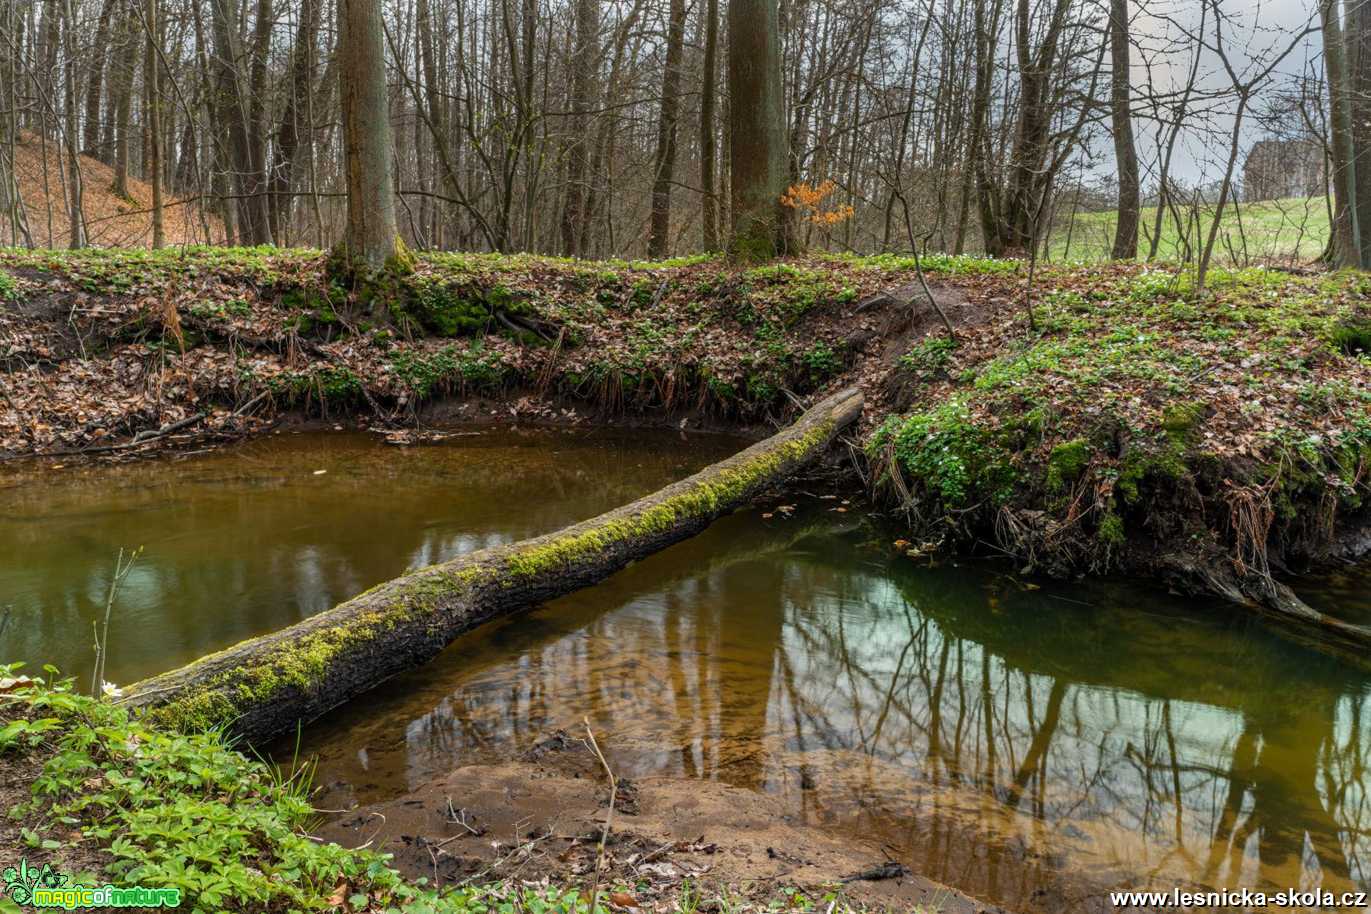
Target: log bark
<point>267,686</point>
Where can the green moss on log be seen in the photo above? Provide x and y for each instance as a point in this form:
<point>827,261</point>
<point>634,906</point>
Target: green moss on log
<point>303,670</point>
<point>701,500</point>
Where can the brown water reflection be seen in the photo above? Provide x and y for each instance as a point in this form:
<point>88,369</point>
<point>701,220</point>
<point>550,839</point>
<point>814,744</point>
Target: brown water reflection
<point>253,538</point>
<point>996,737</point>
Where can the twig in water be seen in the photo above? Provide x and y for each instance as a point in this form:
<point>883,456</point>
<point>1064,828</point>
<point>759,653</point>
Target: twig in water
<point>121,571</point>
<point>609,816</point>
<point>460,818</point>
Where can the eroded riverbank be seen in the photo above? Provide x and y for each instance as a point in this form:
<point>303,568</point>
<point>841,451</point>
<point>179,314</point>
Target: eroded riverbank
<point>1081,419</point>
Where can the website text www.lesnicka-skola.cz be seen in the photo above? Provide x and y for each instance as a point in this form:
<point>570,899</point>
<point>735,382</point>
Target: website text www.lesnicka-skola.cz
<point>1243,899</point>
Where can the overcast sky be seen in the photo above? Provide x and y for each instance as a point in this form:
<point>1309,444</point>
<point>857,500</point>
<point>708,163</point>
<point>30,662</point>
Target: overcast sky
<point>1255,32</point>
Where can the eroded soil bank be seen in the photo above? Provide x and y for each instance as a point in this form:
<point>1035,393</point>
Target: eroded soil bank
<point>1101,418</point>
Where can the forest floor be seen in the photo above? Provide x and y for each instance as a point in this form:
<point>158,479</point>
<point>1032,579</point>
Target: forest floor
<point>111,219</point>
<point>1094,419</point>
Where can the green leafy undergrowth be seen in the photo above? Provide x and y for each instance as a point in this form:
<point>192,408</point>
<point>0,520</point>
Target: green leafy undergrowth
<point>9,287</point>
<point>1134,403</point>
<point>190,812</point>
<point>453,367</point>
<point>123,270</point>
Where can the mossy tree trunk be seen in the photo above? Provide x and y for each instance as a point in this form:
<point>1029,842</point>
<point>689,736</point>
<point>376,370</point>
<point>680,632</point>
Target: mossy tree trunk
<point>371,245</point>
<point>266,686</point>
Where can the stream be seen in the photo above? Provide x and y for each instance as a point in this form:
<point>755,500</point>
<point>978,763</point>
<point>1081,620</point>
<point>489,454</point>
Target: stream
<point>995,734</point>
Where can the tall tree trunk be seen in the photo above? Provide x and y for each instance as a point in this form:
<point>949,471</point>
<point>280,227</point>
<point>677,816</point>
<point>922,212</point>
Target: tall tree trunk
<point>1358,44</point>
<point>665,159</point>
<point>300,82</point>
<point>122,87</point>
<point>433,100</point>
<point>1125,155</point>
<point>95,83</point>
<point>260,181</point>
<point>253,216</point>
<point>152,78</point>
<point>978,159</point>
<point>371,242</point>
<point>584,56</point>
<point>757,134</point>
<point>709,204</point>
<point>76,212</point>
<point>1346,248</point>
<point>1014,229</point>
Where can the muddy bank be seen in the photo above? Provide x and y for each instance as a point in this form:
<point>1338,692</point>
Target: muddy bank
<point>543,815</point>
<point>124,350</point>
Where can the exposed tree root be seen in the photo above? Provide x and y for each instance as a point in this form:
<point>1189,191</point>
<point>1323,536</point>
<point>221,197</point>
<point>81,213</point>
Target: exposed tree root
<point>1213,575</point>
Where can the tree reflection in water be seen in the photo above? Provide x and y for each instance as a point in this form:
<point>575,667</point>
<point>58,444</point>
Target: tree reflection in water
<point>997,736</point>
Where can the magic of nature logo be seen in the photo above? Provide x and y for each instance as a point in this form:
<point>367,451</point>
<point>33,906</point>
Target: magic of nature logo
<point>44,887</point>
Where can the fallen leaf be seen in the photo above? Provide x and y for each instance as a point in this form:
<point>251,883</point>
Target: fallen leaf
<point>340,892</point>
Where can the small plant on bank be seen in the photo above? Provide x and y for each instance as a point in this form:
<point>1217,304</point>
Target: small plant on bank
<point>9,287</point>
<point>930,357</point>
<point>122,567</point>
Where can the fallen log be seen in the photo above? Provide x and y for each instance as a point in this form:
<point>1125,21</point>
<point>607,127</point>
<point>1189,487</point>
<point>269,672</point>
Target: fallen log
<point>265,686</point>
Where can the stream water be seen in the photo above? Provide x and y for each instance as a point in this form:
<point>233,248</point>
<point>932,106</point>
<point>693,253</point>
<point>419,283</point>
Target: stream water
<point>247,540</point>
<point>993,734</point>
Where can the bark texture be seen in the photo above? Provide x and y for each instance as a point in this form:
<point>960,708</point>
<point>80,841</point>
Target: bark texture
<point>659,241</point>
<point>1125,153</point>
<point>265,686</point>
<point>757,134</point>
<point>371,240</point>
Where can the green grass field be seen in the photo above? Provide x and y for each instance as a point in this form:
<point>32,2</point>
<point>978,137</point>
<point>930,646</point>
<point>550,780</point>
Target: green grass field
<point>1285,231</point>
